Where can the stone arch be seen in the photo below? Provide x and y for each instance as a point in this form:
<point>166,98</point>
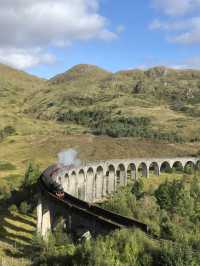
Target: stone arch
<point>198,165</point>
<point>110,179</point>
<point>66,183</point>
<point>90,184</point>
<point>154,168</point>
<point>143,170</point>
<point>189,167</point>
<point>177,166</point>
<point>98,189</point>
<point>165,167</point>
<point>131,172</point>
<point>73,183</point>
<point>120,176</point>
<point>81,185</point>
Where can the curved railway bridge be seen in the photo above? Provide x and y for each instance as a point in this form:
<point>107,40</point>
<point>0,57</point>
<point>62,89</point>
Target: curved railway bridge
<point>90,183</point>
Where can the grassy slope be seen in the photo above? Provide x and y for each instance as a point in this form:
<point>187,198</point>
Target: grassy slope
<point>83,87</point>
<point>16,232</point>
<point>151,93</point>
<point>23,98</point>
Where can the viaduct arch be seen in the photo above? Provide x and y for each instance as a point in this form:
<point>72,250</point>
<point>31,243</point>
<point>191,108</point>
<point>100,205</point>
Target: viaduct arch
<point>93,181</point>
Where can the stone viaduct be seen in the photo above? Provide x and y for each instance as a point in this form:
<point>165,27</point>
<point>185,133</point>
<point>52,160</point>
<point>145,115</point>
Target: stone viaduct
<point>93,181</point>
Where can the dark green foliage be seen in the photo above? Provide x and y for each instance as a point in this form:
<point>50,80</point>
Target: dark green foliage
<point>174,196</point>
<point>24,207</point>
<point>56,250</point>
<point>23,195</point>
<point>13,208</point>
<point>31,175</point>
<point>84,117</point>
<point>179,254</point>
<point>5,191</point>
<point>189,169</point>
<point>138,189</point>
<point>127,203</point>
<point>102,123</point>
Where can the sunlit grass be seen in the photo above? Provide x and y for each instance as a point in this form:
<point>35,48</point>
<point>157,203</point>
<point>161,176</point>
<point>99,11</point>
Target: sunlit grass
<point>16,232</point>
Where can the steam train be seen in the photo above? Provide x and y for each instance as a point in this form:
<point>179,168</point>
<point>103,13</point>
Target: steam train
<point>56,189</point>
<point>52,178</point>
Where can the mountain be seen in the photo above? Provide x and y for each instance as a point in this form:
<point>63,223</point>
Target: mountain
<point>169,98</point>
<point>102,114</point>
<point>81,72</point>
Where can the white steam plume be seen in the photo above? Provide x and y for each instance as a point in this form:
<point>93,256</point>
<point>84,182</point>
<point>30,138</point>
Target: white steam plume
<point>68,157</point>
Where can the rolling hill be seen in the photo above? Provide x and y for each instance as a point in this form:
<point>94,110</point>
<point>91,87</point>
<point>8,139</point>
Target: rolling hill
<point>102,114</point>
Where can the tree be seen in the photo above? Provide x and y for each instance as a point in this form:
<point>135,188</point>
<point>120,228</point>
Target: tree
<point>24,207</point>
<point>13,208</point>
<point>31,175</point>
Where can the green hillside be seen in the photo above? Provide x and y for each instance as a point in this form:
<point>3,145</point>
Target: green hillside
<point>101,114</point>
<point>168,98</point>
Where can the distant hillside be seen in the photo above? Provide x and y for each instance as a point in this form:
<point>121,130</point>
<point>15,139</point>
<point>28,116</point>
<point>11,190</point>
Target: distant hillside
<point>169,98</point>
<point>98,113</point>
<point>15,85</point>
<point>80,73</point>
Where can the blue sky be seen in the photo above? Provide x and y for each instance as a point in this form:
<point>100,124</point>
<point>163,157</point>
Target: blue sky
<point>46,37</point>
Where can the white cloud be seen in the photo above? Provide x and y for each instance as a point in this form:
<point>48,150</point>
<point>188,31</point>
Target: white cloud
<point>176,7</point>
<point>176,25</point>
<point>191,34</point>
<point>37,24</point>
<point>22,58</point>
<point>181,30</point>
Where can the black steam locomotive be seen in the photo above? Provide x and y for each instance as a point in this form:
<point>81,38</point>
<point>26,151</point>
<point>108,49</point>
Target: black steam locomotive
<point>51,174</point>
<point>56,189</point>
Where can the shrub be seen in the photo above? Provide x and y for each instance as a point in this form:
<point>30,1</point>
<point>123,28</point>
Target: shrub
<point>31,175</point>
<point>7,131</point>
<point>5,191</point>
<point>174,197</point>
<point>13,208</point>
<point>138,189</point>
<point>176,255</point>
<point>102,123</point>
<point>24,207</point>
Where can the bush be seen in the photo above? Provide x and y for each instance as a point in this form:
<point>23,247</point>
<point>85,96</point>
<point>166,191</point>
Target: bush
<point>31,175</point>
<point>24,207</point>
<point>7,131</point>
<point>102,123</point>
<point>175,197</point>
<point>13,208</point>
<point>176,255</point>
<point>5,191</point>
<point>138,189</point>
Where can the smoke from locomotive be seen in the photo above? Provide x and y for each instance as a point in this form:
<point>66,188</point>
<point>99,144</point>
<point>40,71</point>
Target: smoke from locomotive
<point>69,157</point>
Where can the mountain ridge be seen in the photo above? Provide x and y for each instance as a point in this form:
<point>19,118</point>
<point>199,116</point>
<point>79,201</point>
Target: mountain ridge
<point>82,69</point>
